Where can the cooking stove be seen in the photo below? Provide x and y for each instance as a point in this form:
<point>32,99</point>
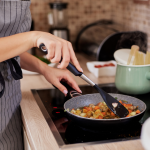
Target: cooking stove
<point>68,134</point>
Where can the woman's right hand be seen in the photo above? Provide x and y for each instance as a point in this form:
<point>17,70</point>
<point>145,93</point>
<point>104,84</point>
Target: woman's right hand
<point>57,48</point>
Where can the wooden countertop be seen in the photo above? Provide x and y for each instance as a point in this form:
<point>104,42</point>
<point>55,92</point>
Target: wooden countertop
<point>37,129</point>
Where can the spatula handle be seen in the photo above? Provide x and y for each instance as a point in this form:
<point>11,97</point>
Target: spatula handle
<point>70,66</point>
<point>43,48</point>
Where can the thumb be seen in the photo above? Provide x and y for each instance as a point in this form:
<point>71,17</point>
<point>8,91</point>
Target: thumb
<point>61,88</point>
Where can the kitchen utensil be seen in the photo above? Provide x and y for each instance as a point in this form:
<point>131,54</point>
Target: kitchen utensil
<point>138,59</point>
<point>58,20</point>
<point>141,59</point>
<point>147,58</point>
<point>103,71</point>
<point>135,62</point>
<point>134,48</point>
<point>133,79</point>
<point>119,110</point>
<point>85,100</point>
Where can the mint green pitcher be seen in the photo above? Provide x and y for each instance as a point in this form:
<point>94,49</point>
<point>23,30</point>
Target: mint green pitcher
<point>131,79</point>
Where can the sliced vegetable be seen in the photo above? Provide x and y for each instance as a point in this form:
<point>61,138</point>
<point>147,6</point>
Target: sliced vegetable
<point>85,110</point>
<point>96,107</point>
<point>112,114</point>
<point>100,117</point>
<point>133,113</point>
<point>120,101</point>
<point>83,114</point>
<point>101,111</point>
<point>89,114</point>
<point>130,111</point>
<point>138,111</point>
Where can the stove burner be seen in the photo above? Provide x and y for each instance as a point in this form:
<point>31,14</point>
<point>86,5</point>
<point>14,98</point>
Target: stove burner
<point>124,129</point>
<point>58,113</point>
<point>77,134</point>
<point>68,132</point>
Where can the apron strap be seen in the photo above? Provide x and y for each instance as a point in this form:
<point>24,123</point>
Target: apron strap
<point>13,63</point>
<point>3,85</point>
<point>16,75</point>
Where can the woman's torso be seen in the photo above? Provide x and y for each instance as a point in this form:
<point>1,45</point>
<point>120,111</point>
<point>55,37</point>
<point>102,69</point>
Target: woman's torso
<point>14,18</point>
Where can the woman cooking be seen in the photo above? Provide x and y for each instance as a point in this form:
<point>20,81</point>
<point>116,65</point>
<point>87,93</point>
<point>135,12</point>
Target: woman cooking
<point>15,40</point>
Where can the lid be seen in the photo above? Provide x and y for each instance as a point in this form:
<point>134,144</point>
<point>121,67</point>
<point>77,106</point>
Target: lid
<point>58,5</point>
<point>121,56</point>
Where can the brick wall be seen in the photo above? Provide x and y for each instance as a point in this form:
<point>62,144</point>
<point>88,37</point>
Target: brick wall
<point>82,12</point>
<point>132,16</point>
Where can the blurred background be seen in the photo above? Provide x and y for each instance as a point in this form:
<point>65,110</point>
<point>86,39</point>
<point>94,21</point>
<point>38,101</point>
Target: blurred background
<point>78,15</point>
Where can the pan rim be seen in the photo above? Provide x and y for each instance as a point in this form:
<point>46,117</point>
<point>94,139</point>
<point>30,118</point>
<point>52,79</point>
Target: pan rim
<point>107,119</point>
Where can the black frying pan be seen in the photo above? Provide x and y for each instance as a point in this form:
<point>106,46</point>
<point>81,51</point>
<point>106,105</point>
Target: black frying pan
<point>85,100</point>
<point>79,100</point>
<point>119,110</point>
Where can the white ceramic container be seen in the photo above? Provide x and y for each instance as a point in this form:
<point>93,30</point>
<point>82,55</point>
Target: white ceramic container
<point>103,71</point>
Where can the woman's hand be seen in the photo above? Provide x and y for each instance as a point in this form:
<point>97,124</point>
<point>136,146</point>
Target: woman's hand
<point>54,76</point>
<point>57,49</point>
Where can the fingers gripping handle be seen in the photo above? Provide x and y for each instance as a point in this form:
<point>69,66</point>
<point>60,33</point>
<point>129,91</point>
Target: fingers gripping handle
<point>43,48</point>
<point>71,92</point>
<point>70,67</point>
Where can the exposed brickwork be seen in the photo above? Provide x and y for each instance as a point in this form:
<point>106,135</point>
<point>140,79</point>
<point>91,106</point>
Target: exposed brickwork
<point>82,12</point>
<point>132,16</point>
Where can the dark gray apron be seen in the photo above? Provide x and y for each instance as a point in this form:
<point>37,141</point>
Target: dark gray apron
<point>15,18</point>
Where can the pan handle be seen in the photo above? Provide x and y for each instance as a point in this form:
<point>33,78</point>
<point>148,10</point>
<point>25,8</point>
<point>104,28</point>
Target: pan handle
<point>71,92</point>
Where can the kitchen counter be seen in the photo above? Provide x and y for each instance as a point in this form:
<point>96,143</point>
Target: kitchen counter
<point>38,132</point>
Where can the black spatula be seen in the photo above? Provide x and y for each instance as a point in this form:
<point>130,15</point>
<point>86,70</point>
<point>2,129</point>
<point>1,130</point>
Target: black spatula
<point>111,102</point>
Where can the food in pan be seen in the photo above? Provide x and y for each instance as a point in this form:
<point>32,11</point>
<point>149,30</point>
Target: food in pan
<point>101,111</point>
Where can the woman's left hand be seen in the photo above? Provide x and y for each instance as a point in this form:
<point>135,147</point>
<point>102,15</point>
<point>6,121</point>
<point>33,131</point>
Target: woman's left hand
<point>54,76</point>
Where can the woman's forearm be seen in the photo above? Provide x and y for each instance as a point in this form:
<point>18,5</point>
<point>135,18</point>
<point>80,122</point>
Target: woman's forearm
<point>14,45</point>
<point>58,48</point>
<point>31,63</point>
